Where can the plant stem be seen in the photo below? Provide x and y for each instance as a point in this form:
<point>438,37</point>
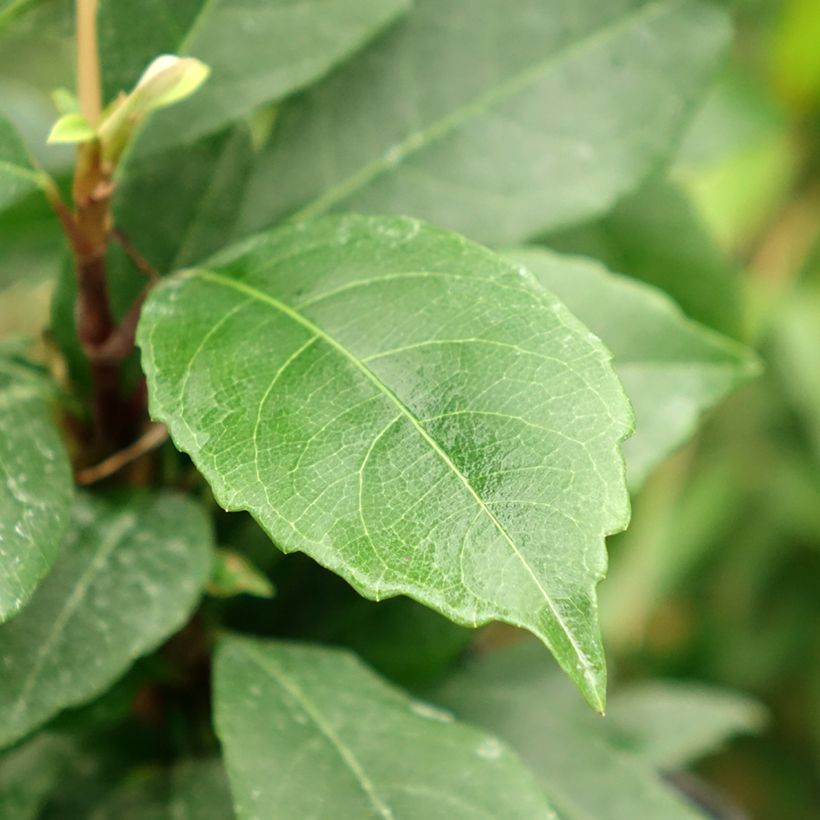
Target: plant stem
<point>88,61</point>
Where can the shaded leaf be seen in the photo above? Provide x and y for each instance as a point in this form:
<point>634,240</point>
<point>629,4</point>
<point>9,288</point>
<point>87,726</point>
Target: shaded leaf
<point>258,51</point>
<point>674,723</point>
<point>29,773</point>
<point>343,742</point>
<point>36,487</point>
<point>129,574</point>
<point>17,175</point>
<point>672,369</point>
<point>655,235</point>
<point>409,409</point>
<point>496,118</point>
<point>585,767</point>
<point>233,575</point>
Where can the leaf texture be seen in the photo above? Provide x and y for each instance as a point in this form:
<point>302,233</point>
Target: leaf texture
<point>310,732</point>
<point>410,410</point>
<point>36,486</point>
<point>495,118</point>
<point>672,368</point>
<point>129,574</point>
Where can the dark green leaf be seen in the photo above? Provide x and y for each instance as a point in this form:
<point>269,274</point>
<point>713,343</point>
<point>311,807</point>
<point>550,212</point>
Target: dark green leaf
<point>129,574</point>
<point>496,118</point>
<point>343,743</point>
<point>258,51</point>
<point>17,175</point>
<point>409,409</point>
<point>36,487</point>
<point>672,368</point>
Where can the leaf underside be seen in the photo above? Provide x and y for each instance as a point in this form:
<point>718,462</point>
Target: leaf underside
<point>409,409</point>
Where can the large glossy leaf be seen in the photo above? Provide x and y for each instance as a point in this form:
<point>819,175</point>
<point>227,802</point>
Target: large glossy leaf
<point>656,236</point>
<point>129,573</point>
<point>409,409</point>
<point>258,51</point>
<point>311,732</point>
<point>17,175</point>
<point>672,369</point>
<point>584,763</point>
<point>496,118</point>
<point>36,486</point>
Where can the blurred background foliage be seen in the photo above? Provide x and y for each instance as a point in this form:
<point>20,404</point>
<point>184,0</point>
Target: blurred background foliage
<point>718,578</point>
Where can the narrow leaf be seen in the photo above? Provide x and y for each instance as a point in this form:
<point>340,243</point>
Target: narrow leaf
<point>672,368</point>
<point>409,409</point>
<point>36,487</point>
<point>311,732</point>
<point>259,51</point>
<point>582,760</point>
<point>129,574</point>
<point>672,723</point>
<point>17,175</point>
<point>496,118</point>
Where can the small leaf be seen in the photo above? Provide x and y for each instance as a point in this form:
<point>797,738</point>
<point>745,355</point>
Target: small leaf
<point>341,737</point>
<point>495,118</point>
<point>233,575</point>
<point>673,723</point>
<point>36,488</point>
<point>18,176</point>
<point>409,409</point>
<point>71,128</point>
<point>672,368</point>
<point>129,574</point>
<point>65,101</point>
<point>580,759</point>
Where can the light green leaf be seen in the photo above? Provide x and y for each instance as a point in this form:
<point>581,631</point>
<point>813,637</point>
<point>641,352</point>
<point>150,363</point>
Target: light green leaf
<point>129,574</point>
<point>496,118</point>
<point>409,409</point>
<point>29,773</point>
<point>655,235</point>
<point>346,744</point>
<point>17,175</point>
<point>194,789</point>
<point>36,485</point>
<point>672,369</point>
<point>258,51</point>
<point>583,763</point>
<point>672,724</point>
<point>71,128</point>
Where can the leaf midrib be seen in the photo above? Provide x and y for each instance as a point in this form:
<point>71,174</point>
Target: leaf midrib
<point>418,140</point>
<point>405,411</point>
<point>342,749</point>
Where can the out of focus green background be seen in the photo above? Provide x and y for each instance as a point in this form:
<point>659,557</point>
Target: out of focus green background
<point>718,578</point>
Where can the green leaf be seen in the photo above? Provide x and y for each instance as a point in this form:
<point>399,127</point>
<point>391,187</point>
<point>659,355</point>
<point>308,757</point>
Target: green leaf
<point>585,766</point>
<point>672,369</point>
<point>341,737</point>
<point>36,487</point>
<point>258,51</point>
<point>29,773</point>
<point>71,128</point>
<point>17,175</point>
<point>130,572</point>
<point>675,723</point>
<point>496,118</point>
<point>233,575</point>
<point>655,236</point>
<point>194,188</point>
<point>194,788</point>
<point>409,409</point>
